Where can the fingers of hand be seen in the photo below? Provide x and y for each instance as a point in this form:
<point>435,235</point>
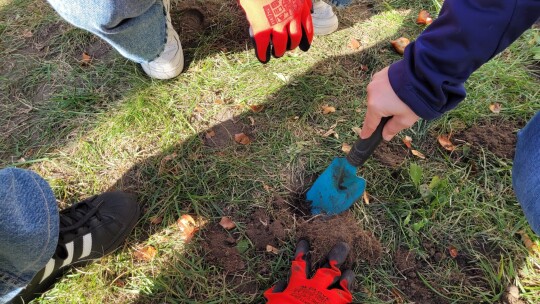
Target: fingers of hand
<point>262,46</point>
<point>279,41</point>
<point>396,124</point>
<point>371,121</point>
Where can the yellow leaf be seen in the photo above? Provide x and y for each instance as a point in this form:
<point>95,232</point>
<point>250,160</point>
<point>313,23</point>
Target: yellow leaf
<point>345,147</point>
<point>407,140</point>
<point>400,44</point>
<point>354,44</point>
<point>495,107</point>
<point>445,142</point>
<point>272,249</point>
<point>326,109</point>
<point>365,196</point>
<point>146,253</point>
<point>418,154</point>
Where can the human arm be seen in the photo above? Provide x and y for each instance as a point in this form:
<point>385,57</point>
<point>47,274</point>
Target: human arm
<point>430,78</point>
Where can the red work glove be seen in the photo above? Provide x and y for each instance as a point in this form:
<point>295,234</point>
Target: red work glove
<point>279,25</point>
<point>327,286</point>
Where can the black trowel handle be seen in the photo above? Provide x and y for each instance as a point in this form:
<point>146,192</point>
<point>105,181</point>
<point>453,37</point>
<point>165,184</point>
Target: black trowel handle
<point>363,148</point>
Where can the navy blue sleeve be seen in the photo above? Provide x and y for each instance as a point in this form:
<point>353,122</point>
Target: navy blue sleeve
<point>467,33</point>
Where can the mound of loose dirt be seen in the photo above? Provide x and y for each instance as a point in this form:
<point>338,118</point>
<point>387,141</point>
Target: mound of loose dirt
<point>220,249</point>
<point>499,137</point>
<point>390,154</point>
<point>324,232</point>
<point>264,230</point>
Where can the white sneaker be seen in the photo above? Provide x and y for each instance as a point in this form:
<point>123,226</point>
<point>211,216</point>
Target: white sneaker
<point>170,62</point>
<point>324,20</point>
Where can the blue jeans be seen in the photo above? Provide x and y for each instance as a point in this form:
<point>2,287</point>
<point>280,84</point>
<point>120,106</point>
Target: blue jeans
<point>135,28</point>
<point>29,227</point>
<point>526,172</point>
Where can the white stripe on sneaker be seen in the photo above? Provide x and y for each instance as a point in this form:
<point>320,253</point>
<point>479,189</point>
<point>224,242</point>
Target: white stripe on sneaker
<point>87,245</point>
<point>48,270</point>
<point>69,258</point>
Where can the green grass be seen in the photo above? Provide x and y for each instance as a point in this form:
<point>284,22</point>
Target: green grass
<point>87,129</point>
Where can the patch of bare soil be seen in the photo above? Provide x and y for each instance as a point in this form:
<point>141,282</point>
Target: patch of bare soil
<point>499,137</point>
<point>411,285</point>
<point>391,154</point>
<point>324,232</point>
<point>221,250</point>
<point>264,230</point>
<point>222,134</point>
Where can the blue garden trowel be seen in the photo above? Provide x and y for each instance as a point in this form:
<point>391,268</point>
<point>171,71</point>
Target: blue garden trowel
<point>338,187</point>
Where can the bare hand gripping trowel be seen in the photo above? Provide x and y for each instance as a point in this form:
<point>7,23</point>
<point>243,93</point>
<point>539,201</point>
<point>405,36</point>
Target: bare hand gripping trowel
<point>338,187</point>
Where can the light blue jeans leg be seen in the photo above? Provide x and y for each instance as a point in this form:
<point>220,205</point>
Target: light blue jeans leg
<point>29,228</point>
<point>526,172</point>
<point>135,28</point>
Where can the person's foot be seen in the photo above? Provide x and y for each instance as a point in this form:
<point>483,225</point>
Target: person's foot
<point>324,20</point>
<point>89,230</point>
<point>170,62</point>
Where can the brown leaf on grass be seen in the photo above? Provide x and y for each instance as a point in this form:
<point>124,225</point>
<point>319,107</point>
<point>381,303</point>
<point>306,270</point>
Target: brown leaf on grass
<point>453,251</point>
<point>146,253</point>
<point>357,130</point>
<point>354,44</point>
<point>156,220</point>
<point>187,226</point>
<point>445,142</point>
<point>227,223</point>
<point>27,33</point>
<point>242,139</point>
<point>326,109</point>
<point>219,101</point>
<point>256,108</point>
<point>397,296</point>
<point>407,140</point>
<point>365,197</point>
<point>345,147</point>
<point>495,107</point>
<point>418,154</point>
<point>251,120</point>
<point>210,133</point>
<point>424,18</point>
<point>400,44</point>
<point>528,243</point>
<point>364,67</point>
<point>329,132</point>
<point>119,283</point>
<point>272,249</point>
<point>85,58</point>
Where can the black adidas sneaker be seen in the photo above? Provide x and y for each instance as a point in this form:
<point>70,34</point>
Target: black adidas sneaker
<point>88,231</point>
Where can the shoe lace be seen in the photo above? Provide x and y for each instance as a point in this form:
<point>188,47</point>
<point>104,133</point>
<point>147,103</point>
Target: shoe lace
<point>79,215</point>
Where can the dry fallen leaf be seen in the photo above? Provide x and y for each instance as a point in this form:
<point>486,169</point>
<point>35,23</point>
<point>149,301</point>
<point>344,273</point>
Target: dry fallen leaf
<point>400,44</point>
<point>256,108</point>
<point>353,44</point>
<point>242,139</point>
<point>146,253</point>
<point>326,109</point>
<point>365,196</point>
<point>445,142</point>
<point>156,220</point>
<point>364,67</point>
<point>397,296</point>
<point>85,59</point>
<point>272,249</point>
<point>357,130</point>
<point>282,77</point>
<point>495,107</point>
<point>227,223</point>
<point>219,101</point>
<point>418,154</point>
<point>27,33</point>
<point>453,251</point>
<point>210,133</point>
<point>529,244</point>
<point>407,140</point>
<point>424,18</point>
<point>345,147</point>
<point>251,120</point>
<point>187,226</point>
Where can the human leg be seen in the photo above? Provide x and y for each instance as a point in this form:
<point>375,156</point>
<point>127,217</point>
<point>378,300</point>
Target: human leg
<point>139,30</point>
<point>526,172</point>
<point>28,228</point>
